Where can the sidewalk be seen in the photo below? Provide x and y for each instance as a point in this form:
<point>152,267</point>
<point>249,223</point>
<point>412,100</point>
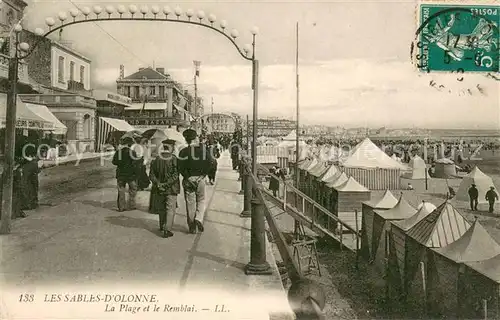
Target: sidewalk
<point>87,245</point>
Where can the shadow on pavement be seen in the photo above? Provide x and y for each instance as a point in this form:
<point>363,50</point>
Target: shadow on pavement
<point>223,261</point>
<point>136,223</point>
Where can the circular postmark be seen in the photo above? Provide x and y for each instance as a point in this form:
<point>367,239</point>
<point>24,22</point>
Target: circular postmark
<point>457,40</point>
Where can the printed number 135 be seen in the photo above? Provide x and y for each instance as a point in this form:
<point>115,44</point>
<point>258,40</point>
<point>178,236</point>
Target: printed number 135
<point>26,297</point>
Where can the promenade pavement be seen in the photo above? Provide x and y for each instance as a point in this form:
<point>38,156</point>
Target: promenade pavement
<point>85,245</point>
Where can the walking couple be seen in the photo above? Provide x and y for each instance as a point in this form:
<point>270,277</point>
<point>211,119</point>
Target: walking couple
<point>193,164</point>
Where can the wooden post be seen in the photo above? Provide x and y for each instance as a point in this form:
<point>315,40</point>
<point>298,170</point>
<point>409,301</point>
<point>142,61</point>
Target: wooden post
<point>357,237</point>
<point>424,286</point>
<point>485,309</point>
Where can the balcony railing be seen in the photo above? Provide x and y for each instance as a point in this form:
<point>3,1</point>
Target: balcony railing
<point>60,100</point>
<point>4,69</point>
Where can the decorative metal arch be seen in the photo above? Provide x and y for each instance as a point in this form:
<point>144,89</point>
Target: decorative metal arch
<point>96,15</point>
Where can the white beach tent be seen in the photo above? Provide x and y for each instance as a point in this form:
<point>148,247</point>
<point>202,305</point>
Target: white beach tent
<point>482,181</point>
<point>418,168</point>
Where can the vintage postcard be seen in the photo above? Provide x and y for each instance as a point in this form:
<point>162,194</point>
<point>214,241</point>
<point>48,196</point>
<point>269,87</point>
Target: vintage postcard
<point>244,160</point>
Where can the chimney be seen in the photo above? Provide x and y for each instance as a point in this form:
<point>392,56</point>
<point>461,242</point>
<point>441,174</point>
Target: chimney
<point>122,71</point>
<point>161,70</point>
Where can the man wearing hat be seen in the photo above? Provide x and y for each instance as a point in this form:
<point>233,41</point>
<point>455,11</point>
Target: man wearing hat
<point>194,165</point>
<point>164,175</point>
<point>125,160</point>
<point>491,196</point>
<point>473,196</point>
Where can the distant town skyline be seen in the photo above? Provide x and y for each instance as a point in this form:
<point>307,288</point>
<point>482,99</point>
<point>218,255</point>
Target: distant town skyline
<point>355,69</point>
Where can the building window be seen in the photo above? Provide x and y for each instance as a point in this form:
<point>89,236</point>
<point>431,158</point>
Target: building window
<point>60,70</point>
<point>128,91</point>
<point>136,92</point>
<point>82,74</point>
<point>87,127</point>
<point>152,91</point>
<point>72,71</point>
<point>162,92</point>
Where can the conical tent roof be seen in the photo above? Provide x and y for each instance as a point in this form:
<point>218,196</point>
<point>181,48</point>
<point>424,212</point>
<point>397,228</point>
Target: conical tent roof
<point>402,210</point>
<point>482,182</point>
<point>441,227</point>
<point>489,268</point>
<point>330,172</point>
<point>429,206</point>
<point>368,155</point>
<point>474,245</point>
<point>340,180</point>
<point>351,185</point>
<point>292,136</point>
<point>417,162</point>
<point>305,164</point>
<point>311,165</point>
<point>319,169</point>
<point>387,201</point>
<point>406,224</point>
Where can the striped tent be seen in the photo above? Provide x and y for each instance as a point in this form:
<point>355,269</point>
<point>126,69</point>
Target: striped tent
<point>108,125</point>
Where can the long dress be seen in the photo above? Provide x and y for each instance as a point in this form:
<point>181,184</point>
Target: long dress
<point>17,211</point>
<point>30,184</point>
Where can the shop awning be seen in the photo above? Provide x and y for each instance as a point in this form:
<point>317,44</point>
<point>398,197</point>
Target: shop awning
<point>184,111</point>
<point>44,113</point>
<point>25,118</point>
<point>118,124</point>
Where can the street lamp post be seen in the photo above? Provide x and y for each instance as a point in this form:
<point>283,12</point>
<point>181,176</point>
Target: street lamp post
<point>10,134</point>
<point>97,14</point>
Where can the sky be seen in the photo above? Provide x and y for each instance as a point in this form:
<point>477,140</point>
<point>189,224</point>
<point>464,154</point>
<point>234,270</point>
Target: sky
<point>354,61</point>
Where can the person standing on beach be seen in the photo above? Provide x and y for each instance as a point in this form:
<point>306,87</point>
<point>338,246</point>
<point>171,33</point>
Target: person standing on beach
<point>491,196</point>
<point>125,160</point>
<point>164,175</point>
<point>194,166</point>
<point>473,196</point>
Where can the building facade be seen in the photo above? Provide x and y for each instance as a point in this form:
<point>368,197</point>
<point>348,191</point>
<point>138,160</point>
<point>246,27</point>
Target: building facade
<point>220,123</point>
<point>11,12</point>
<point>64,86</point>
<point>157,101</point>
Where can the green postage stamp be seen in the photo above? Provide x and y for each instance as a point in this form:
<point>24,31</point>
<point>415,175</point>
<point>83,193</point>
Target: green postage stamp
<point>458,38</point>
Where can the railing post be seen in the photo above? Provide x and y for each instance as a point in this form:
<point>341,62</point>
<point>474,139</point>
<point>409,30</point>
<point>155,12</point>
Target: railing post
<point>247,190</point>
<point>241,175</point>
<point>258,264</point>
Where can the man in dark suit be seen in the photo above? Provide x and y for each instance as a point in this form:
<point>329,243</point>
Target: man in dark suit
<point>491,196</point>
<point>125,160</point>
<point>473,196</point>
<point>164,175</point>
<point>194,166</point>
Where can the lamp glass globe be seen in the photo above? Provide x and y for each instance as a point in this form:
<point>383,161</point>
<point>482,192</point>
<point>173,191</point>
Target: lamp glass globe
<point>189,13</point>
<point>167,10</point>
<point>132,8</point>
<point>223,24</point>
<point>201,14</point>
<point>212,17</point>
<point>144,9</point>
<point>86,11</point>
<point>50,21</point>
<point>121,9</point>
<point>18,27</point>
<point>178,11</point>
<point>62,16</point>
<point>254,31</point>
<point>110,9</point>
<point>155,9</point>
<point>74,12</point>
<point>39,31</point>
<point>247,48</point>
<point>97,9</point>
<point>235,33</point>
